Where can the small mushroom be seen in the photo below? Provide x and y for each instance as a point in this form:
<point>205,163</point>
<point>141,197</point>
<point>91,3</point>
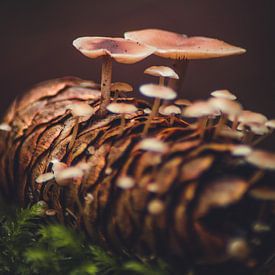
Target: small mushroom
<point>224,94</point>
<point>158,92</point>
<point>238,248</point>
<point>66,176</point>
<point>120,87</point>
<point>241,150</point>
<point>58,165</point>
<point>5,127</point>
<point>44,177</point>
<point>156,207</point>
<point>262,159</point>
<point>182,48</point>
<point>125,182</point>
<point>153,145</point>
<point>251,117</point>
<point>270,124</point>
<point>78,110</point>
<point>109,48</point>
<point>122,109</point>
<point>227,108</point>
<point>170,110</point>
<point>162,72</point>
<point>201,110</point>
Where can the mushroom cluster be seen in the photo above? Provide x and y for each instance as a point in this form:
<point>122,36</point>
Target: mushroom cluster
<point>149,180</point>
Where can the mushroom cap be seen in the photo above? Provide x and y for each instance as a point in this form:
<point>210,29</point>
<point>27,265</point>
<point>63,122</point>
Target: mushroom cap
<point>158,91</point>
<point>199,109</point>
<point>5,127</point>
<point>121,87</point>
<point>163,71</point>
<point>241,150</point>
<point>224,94</point>
<point>262,159</point>
<point>270,124</point>
<point>257,128</point>
<point>179,46</point>
<point>125,182</point>
<point>226,106</point>
<point>153,144</point>
<point>44,177</point>
<point>64,176</point>
<point>121,108</point>
<point>122,50</point>
<point>183,102</point>
<point>251,117</point>
<point>81,109</point>
<point>170,110</point>
<point>156,207</point>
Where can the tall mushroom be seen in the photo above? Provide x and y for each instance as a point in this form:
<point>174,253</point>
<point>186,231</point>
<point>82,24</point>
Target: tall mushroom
<point>109,48</point>
<point>182,48</point>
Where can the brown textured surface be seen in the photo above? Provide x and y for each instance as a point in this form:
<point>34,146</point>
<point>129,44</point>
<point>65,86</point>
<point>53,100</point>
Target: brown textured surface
<point>204,189</point>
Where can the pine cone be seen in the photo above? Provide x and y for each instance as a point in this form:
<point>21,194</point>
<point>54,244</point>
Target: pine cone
<point>189,200</point>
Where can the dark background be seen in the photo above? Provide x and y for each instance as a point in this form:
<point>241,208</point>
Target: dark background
<point>36,38</point>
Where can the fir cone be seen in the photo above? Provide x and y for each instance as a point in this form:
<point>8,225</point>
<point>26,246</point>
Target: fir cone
<point>180,195</point>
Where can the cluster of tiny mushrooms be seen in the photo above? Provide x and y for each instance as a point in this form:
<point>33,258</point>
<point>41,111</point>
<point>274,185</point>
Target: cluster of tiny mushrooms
<point>246,126</point>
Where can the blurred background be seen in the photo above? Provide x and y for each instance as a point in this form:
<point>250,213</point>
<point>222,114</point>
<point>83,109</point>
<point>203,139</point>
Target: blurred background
<point>36,44</point>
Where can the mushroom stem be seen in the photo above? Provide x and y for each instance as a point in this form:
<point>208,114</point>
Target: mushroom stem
<point>235,123</point>
<point>161,81</point>
<point>151,115</point>
<point>122,123</point>
<point>172,119</point>
<point>180,66</point>
<point>220,124</point>
<point>106,77</point>
<point>202,126</point>
<point>74,134</point>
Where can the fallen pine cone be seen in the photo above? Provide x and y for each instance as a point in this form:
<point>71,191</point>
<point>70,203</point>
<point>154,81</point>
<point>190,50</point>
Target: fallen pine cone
<point>176,194</point>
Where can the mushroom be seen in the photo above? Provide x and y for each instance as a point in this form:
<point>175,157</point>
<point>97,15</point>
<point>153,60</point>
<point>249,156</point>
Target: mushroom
<point>5,127</point>
<point>125,182</point>
<point>153,145</point>
<point>78,110</point>
<point>182,48</point>
<point>161,72</point>
<point>158,92</point>
<point>224,94</point>
<point>201,110</point>
<point>120,87</point>
<point>262,159</point>
<point>156,207</point>
<point>123,109</point>
<point>170,110</point>
<point>227,108</point>
<point>44,177</point>
<point>109,48</point>
<point>64,177</point>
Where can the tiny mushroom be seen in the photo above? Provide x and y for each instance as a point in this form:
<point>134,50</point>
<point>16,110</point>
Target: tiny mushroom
<point>201,110</point>
<point>109,48</point>
<point>153,145</point>
<point>158,92</point>
<point>5,127</point>
<point>78,110</point>
<point>156,207</point>
<point>122,109</point>
<point>224,94</point>
<point>261,159</point>
<point>270,124</point>
<point>182,48</point>
<point>228,108</point>
<point>45,177</point>
<point>125,182</point>
<point>170,110</point>
<point>251,117</point>
<point>66,176</point>
<point>120,87</point>
<point>162,72</point>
